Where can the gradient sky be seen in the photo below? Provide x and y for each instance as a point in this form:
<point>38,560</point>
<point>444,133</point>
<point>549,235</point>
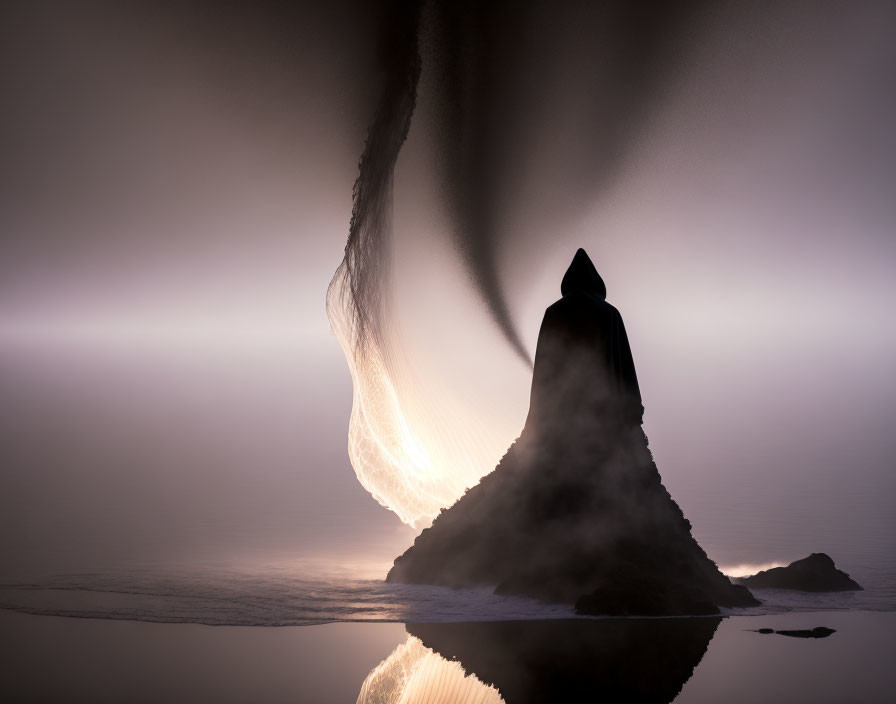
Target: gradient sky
<point>176,189</point>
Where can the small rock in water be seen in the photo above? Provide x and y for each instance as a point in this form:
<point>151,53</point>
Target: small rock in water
<point>817,632</point>
<point>816,573</point>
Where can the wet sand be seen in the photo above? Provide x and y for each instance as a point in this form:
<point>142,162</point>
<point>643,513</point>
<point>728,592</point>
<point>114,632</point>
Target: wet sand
<point>50,658</point>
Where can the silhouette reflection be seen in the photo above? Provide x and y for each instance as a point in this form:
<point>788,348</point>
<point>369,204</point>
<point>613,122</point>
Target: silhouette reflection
<point>523,662</point>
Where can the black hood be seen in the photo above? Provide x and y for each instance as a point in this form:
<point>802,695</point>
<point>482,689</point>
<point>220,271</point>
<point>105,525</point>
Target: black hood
<point>582,277</point>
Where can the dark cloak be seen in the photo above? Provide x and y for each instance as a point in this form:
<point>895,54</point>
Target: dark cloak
<point>583,361</point>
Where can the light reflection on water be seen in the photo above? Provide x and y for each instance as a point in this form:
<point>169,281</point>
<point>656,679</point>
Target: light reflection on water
<point>685,660</point>
<point>646,660</point>
<point>415,673</point>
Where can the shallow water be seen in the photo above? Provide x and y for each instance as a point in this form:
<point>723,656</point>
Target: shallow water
<point>295,597</point>
<point>112,464</point>
<point>688,661</point>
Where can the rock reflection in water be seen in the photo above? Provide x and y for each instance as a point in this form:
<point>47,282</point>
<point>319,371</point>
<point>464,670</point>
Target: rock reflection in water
<point>630,660</point>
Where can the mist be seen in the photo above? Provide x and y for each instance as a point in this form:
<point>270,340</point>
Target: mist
<point>177,193</point>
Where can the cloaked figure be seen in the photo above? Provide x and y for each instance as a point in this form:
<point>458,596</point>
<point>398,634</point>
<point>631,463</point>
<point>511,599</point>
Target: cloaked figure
<point>576,511</point>
<point>583,362</point>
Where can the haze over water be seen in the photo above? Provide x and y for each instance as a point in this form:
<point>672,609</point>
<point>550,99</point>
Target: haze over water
<point>174,209</point>
<point>175,194</point>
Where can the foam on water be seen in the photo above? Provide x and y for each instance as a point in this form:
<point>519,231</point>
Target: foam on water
<point>284,597</point>
<point>260,598</point>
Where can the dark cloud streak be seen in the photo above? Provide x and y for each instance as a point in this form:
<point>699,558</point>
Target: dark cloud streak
<point>361,276</point>
<point>556,94</point>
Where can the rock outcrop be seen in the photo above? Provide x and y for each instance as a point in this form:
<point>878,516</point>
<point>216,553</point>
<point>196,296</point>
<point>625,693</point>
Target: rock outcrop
<point>816,573</point>
<point>576,511</point>
<point>817,632</point>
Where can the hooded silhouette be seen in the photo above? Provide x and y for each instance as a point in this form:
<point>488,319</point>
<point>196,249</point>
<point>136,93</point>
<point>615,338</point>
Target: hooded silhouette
<point>583,360</point>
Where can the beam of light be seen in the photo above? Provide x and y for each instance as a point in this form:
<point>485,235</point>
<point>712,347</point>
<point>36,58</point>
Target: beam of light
<point>414,674</point>
<point>406,442</point>
<point>414,460</point>
<point>746,570</point>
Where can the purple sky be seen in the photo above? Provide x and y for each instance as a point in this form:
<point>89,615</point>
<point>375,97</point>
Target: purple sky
<point>176,194</point>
